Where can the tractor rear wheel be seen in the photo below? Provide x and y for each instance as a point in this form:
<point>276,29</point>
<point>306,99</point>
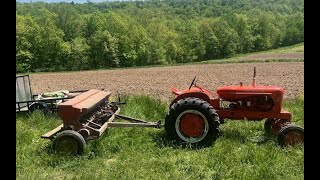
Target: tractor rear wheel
<point>290,136</point>
<point>192,121</point>
<point>69,142</point>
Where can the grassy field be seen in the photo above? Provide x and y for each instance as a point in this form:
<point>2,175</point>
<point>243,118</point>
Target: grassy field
<point>238,60</point>
<point>289,49</point>
<point>241,58</point>
<point>243,151</point>
<point>296,48</point>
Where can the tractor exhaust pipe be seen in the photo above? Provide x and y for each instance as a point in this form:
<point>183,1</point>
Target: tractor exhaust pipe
<point>254,77</point>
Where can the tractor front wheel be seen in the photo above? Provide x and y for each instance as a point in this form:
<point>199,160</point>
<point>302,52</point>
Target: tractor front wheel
<point>69,142</point>
<point>268,126</point>
<point>290,136</point>
<point>192,121</point>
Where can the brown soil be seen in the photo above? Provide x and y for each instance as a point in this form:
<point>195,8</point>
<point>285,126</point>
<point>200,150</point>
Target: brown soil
<point>157,81</point>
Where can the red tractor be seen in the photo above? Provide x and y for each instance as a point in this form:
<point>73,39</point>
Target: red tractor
<point>195,114</point>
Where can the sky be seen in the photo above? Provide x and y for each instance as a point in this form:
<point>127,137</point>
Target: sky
<point>75,1</point>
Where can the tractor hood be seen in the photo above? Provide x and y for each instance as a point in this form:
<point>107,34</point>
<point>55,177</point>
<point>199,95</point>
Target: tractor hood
<point>236,92</point>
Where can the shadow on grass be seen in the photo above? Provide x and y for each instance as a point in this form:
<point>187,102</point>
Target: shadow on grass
<point>233,135</point>
<point>237,136</point>
<point>22,114</point>
<point>163,141</point>
<point>93,149</point>
<point>50,158</point>
<point>260,139</point>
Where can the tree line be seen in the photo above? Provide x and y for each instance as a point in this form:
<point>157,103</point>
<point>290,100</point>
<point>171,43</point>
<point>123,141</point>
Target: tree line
<point>70,36</point>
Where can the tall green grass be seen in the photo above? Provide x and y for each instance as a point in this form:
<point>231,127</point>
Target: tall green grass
<point>243,151</point>
<point>241,58</point>
<point>290,49</point>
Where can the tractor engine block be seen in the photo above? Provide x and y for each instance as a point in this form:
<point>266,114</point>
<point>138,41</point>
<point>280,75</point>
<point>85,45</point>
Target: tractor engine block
<point>262,103</point>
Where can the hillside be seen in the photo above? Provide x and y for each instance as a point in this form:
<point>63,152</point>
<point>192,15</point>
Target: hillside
<point>69,37</point>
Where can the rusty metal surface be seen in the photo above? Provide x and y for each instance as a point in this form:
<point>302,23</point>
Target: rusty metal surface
<point>50,134</point>
<point>91,114</point>
<point>122,124</point>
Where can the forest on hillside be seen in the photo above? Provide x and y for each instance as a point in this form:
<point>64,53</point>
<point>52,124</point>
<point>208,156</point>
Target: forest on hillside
<point>69,36</point>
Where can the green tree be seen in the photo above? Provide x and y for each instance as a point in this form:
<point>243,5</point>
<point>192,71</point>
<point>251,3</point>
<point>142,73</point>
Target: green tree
<point>228,39</point>
<point>295,29</point>
<point>47,43</point>
<point>25,27</point>
<point>79,54</point>
<point>104,50</point>
<point>239,22</point>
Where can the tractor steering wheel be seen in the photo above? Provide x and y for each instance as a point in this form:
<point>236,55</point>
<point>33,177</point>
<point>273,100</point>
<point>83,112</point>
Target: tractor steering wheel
<point>192,83</point>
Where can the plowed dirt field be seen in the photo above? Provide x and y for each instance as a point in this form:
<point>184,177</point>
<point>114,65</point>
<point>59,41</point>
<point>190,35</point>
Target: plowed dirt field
<point>157,81</point>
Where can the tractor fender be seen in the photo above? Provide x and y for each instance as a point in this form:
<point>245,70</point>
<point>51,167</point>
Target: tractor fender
<point>200,95</point>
